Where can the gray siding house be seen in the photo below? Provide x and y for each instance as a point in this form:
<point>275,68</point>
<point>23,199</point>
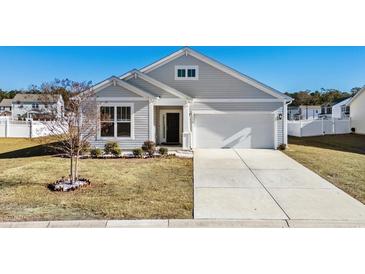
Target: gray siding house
<point>191,100</point>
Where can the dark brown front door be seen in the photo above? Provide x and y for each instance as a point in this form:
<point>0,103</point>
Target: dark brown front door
<point>172,127</point>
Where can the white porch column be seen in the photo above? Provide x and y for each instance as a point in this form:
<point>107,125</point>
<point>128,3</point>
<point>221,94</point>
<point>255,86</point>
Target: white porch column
<point>151,121</point>
<point>285,123</point>
<point>186,126</point>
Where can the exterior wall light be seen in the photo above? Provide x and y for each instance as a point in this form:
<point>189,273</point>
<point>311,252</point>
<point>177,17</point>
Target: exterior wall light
<point>280,116</point>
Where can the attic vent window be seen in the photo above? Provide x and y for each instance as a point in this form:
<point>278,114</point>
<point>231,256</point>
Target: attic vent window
<point>186,72</point>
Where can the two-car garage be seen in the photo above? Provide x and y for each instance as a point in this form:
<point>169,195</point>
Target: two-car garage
<point>234,130</point>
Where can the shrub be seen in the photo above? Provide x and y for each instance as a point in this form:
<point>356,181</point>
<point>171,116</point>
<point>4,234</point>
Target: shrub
<point>282,147</point>
<point>112,148</point>
<point>86,148</point>
<point>149,147</point>
<point>96,152</point>
<point>163,150</point>
<point>137,152</point>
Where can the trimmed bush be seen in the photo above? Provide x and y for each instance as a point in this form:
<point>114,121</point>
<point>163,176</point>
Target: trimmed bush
<point>282,147</point>
<point>149,147</point>
<point>86,148</point>
<point>96,152</point>
<point>163,150</point>
<point>137,152</point>
<point>112,148</point>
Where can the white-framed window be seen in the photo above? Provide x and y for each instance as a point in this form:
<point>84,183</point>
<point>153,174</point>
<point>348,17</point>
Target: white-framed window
<point>116,121</point>
<point>35,106</point>
<point>186,72</point>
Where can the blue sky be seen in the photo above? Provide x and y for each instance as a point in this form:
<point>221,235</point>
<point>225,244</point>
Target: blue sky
<point>284,68</point>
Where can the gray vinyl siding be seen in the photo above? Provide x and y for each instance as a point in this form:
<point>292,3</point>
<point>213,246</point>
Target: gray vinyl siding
<point>142,84</point>
<point>116,91</point>
<point>237,106</point>
<point>140,128</point>
<point>212,83</point>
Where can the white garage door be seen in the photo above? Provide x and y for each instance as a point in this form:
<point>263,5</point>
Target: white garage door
<point>233,130</point>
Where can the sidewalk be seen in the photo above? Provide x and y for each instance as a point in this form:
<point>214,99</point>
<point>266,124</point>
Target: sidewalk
<point>186,223</point>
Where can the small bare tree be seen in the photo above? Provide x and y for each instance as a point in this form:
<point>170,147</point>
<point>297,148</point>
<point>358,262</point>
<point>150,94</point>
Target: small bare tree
<point>71,126</point>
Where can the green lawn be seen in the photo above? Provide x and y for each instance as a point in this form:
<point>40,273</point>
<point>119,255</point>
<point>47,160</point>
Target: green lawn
<point>120,189</point>
<point>338,158</point>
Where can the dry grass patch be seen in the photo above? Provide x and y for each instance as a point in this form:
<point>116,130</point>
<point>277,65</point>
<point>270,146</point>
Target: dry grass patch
<point>338,158</point>
<point>120,189</point>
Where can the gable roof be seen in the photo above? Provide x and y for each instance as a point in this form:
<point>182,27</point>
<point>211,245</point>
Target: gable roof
<point>6,103</point>
<point>356,95</point>
<point>159,84</point>
<point>342,102</point>
<point>215,64</point>
<point>116,81</point>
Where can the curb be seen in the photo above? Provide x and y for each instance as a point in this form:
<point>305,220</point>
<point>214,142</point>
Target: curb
<point>188,223</point>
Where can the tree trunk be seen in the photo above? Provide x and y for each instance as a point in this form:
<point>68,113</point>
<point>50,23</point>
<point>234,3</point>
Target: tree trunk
<point>72,174</point>
<point>77,165</point>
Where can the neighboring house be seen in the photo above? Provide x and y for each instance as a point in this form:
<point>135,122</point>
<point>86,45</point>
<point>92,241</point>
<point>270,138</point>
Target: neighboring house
<point>191,100</point>
<point>5,107</point>
<point>341,110</point>
<point>293,113</point>
<point>326,110</point>
<point>304,112</point>
<point>36,106</point>
<point>357,111</point>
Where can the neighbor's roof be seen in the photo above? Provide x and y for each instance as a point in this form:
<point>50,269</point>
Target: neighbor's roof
<point>310,106</point>
<point>24,97</point>
<point>343,102</point>
<point>6,103</point>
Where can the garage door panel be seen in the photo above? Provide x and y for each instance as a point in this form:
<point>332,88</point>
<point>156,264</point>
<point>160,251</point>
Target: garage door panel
<point>234,131</point>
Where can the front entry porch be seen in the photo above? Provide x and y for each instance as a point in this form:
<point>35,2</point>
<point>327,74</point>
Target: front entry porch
<point>170,124</point>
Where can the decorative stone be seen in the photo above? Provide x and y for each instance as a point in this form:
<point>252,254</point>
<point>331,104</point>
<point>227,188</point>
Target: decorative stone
<point>67,185</point>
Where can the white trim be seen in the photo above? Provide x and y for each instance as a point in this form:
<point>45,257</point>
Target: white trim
<point>170,102</point>
<point>120,99</point>
<point>163,129</point>
<point>134,89</point>
<point>275,131</point>
<point>151,122</point>
<point>285,123</point>
<point>164,60</point>
<point>161,85</point>
<point>233,100</point>
<point>217,65</point>
<point>115,105</point>
<point>186,67</point>
<point>230,112</point>
<point>186,140</point>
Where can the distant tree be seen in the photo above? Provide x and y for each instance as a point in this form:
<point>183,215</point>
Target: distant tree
<point>319,97</point>
<point>355,90</point>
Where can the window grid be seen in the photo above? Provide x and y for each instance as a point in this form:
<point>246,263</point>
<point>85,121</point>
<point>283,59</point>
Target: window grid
<point>115,121</point>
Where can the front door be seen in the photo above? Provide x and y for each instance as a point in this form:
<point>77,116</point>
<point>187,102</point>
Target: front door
<point>172,127</point>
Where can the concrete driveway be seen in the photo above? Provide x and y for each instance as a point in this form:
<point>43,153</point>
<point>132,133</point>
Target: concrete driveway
<point>261,184</point>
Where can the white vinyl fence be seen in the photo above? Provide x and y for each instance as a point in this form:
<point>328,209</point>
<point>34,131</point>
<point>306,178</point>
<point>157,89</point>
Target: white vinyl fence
<point>319,127</point>
<point>22,129</point>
